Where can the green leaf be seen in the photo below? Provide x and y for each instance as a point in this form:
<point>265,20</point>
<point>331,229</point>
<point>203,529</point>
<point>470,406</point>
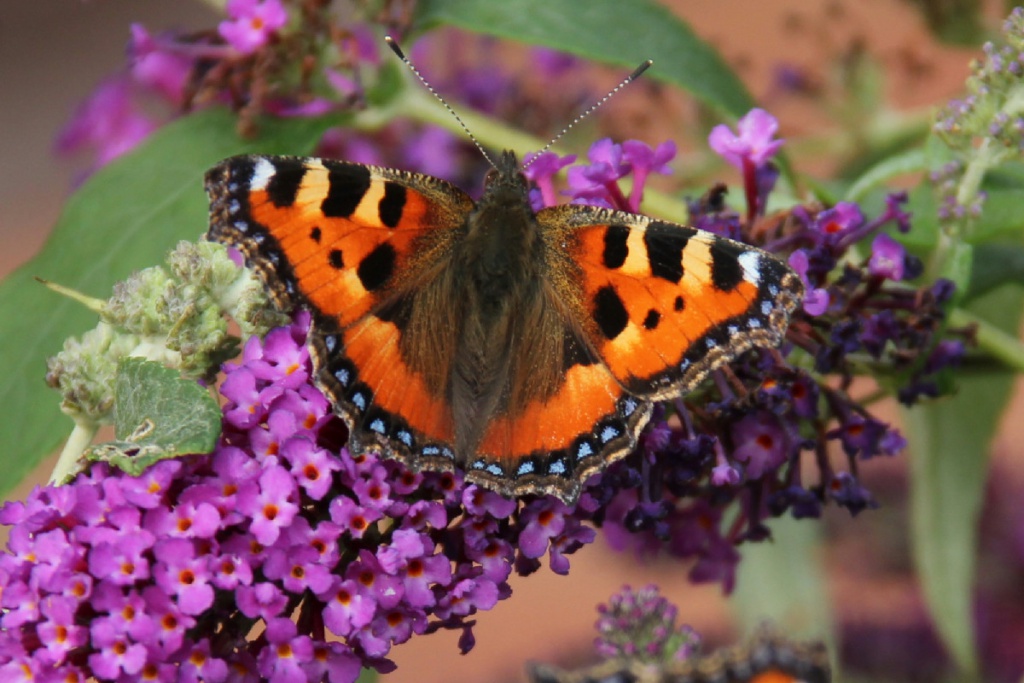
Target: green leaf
<point>609,31</point>
<point>1001,215</point>
<point>924,221</point>
<point>958,266</point>
<point>912,161</point>
<point>995,265</point>
<point>157,415</point>
<point>782,581</point>
<point>124,218</point>
<point>949,443</point>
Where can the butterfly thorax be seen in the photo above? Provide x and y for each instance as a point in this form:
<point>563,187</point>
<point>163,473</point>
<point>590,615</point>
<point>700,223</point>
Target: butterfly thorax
<point>499,274</point>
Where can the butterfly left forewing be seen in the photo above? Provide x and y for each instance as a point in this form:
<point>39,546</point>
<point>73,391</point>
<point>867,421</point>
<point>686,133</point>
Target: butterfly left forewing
<point>360,247</point>
<point>663,304</point>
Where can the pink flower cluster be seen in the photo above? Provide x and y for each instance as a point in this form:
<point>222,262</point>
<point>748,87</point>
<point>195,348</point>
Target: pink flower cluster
<point>280,530</point>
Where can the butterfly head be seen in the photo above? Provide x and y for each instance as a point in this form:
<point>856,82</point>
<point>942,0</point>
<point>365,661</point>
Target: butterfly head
<point>506,179</point>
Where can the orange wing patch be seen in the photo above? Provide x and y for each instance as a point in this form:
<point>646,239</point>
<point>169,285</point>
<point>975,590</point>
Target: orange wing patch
<point>373,346</point>
<point>669,303</point>
<point>588,394</point>
<point>346,231</point>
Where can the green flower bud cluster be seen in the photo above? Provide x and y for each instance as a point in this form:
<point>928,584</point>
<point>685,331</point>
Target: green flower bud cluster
<point>983,129</point>
<point>176,315</point>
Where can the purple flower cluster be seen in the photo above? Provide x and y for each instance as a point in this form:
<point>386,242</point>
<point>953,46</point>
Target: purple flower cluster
<point>641,624</point>
<point>281,530</point>
<point>740,442</point>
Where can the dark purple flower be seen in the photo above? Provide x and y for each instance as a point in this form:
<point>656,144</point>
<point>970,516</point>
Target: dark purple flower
<point>760,443</point>
<point>946,354</point>
<point>887,258</point>
<point>816,299</point>
<point>542,519</point>
<point>847,492</point>
<point>867,437</point>
<point>836,223</point>
<point>802,503</point>
<point>574,536</point>
<point>894,211</point>
<point>878,330</point>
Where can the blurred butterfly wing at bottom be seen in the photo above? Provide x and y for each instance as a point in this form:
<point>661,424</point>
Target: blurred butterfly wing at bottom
<point>768,658</point>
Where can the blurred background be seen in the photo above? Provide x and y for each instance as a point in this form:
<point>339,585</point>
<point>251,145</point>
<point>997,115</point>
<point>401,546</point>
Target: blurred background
<point>53,54</point>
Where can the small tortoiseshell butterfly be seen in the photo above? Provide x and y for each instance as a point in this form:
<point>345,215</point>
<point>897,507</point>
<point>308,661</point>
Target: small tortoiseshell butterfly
<point>768,658</point>
<point>524,347</point>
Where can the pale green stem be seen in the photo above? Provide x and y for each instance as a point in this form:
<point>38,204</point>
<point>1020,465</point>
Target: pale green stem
<point>998,344</point>
<point>69,462</point>
<point>416,103</point>
<point>92,303</point>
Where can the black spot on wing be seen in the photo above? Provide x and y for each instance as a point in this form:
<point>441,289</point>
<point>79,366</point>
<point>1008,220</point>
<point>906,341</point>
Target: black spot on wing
<point>726,271</point>
<point>615,249</point>
<point>336,259</point>
<point>376,268</point>
<point>391,204</point>
<point>665,245</point>
<point>609,312</point>
<point>679,304</point>
<point>347,184</point>
<point>315,234</point>
<point>283,186</point>
<point>652,319</point>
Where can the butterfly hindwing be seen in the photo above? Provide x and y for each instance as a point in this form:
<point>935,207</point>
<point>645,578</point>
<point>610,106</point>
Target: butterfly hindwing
<point>664,304</point>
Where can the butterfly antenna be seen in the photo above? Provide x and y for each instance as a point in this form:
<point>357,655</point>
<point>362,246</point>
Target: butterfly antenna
<point>626,81</point>
<point>401,55</point>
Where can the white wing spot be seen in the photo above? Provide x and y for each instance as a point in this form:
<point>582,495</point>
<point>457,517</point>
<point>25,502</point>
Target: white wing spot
<point>262,172</point>
<point>750,261</point>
